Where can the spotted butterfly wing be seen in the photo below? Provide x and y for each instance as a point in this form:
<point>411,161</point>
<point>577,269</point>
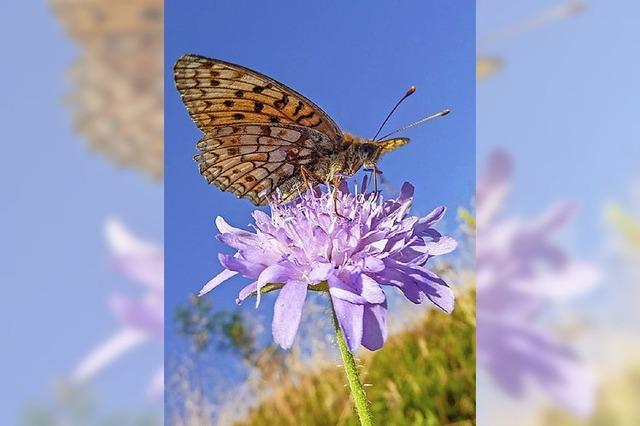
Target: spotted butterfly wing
<point>218,93</point>
<point>258,132</point>
<point>252,160</point>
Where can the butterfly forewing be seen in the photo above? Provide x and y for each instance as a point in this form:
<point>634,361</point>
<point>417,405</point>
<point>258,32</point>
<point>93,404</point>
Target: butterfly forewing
<point>220,93</point>
<point>252,160</point>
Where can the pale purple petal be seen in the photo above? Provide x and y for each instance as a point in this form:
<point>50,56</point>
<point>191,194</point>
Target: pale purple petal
<point>274,274</point>
<point>436,290</point>
<point>245,268</point>
<point>350,319</point>
<point>287,313</point>
<point>374,326</point>
<point>145,268</point>
<point>430,219</point>
<point>444,245</point>
<point>146,315</point>
<point>247,291</point>
<point>371,290</point>
<point>340,293</point>
<point>320,272</point>
<point>216,281</point>
<point>406,192</point>
<point>338,288</point>
<point>373,264</point>
<point>224,227</point>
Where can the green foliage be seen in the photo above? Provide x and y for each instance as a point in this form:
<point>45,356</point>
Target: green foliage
<point>423,376</point>
<point>203,327</point>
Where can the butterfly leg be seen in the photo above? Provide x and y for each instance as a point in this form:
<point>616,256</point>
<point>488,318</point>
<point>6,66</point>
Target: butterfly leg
<point>336,183</point>
<point>306,173</point>
<point>375,179</point>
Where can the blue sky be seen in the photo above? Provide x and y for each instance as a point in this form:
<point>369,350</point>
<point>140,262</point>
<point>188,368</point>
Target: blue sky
<point>565,107</point>
<point>354,62</point>
<point>56,196</point>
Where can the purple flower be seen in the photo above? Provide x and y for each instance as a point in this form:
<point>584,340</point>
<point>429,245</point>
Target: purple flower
<point>305,245</point>
<point>142,317</point>
<point>520,272</point>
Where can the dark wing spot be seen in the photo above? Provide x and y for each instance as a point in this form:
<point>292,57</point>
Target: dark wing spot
<point>233,151</point>
<point>257,107</point>
<point>268,86</point>
<point>304,117</point>
<point>214,73</point>
<point>274,119</point>
<point>239,93</point>
<point>238,116</point>
<point>215,83</point>
<point>258,89</point>
<point>282,102</point>
<point>249,178</point>
<point>228,103</point>
<point>298,108</point>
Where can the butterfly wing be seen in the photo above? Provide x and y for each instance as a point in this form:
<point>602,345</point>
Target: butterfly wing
<point>252,160</point>
<point>219,93</point>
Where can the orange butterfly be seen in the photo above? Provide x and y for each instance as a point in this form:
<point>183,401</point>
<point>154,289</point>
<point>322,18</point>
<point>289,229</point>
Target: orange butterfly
<point>261,135</point>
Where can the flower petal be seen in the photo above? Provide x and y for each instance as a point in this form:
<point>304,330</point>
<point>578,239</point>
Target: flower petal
<point>371,290</point>
<point>278,273</point>
<point>406,192</point>
<point>245,268</point>
<point>287,313</point>
<point>216,281</point>
<point>374,326</point>
<point>320,272</point>
<point>443,246</point>
<point>373,264</point>
<point>350,320</point>
<point>430,219</point>
<point>144,268</point>
<point>348,291</point>
<point>224,227</point>
<point>145,315</point>
<point>247,291</point>
<point>436,290</point>
<point>418,284</point>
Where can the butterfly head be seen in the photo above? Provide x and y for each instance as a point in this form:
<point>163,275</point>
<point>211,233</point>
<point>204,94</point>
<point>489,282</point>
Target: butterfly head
<point>369,154</point>
<point>365,153</point>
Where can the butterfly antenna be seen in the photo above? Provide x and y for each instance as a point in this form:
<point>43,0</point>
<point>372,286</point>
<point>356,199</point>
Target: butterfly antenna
<point>416,123</point>
<point>410,92</point>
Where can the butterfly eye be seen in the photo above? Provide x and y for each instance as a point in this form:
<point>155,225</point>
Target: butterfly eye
<point>368,150</point>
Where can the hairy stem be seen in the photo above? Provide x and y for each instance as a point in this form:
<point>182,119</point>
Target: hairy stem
<point>363,408</point>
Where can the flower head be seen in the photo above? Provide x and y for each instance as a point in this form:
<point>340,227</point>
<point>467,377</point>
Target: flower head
<point>521,271</point>
<point>305,245</point>
<point>142,317</point>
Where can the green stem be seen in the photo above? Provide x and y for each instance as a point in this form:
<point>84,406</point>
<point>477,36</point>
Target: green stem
<point>363,408</point>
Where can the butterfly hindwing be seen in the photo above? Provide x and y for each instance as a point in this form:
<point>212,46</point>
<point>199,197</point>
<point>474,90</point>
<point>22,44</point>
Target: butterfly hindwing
<point>218,93</point>
<point>252,160</point>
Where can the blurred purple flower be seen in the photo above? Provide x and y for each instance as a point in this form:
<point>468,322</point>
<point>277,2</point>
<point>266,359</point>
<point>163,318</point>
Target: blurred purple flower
<point>304,245</point>
<point>143,317</point>
<point>520,271</point>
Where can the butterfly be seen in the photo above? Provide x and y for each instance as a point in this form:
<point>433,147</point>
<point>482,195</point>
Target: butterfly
<point>116,96</point>
<point>261,136</point>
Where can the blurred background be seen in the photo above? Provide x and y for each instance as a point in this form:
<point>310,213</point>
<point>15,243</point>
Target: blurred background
<point>82,202</point>
<point>557,212</point>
